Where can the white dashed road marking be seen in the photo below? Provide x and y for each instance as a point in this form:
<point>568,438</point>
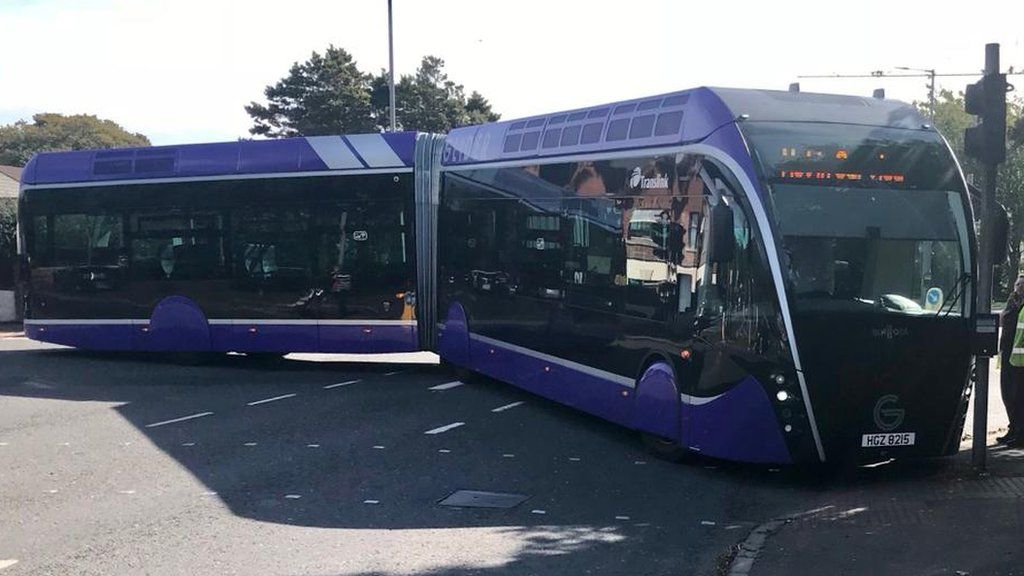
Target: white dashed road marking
<point>508,406</point>
<point>182,419</point>
<point>393,372</point>
<point>622,517</point>
<point>345,383</point>
<point>274,399</point>
<point>250,444</point>
<point>537,512</point>
<point>444,428</point>
<point>378,447</point>
<point>447,385</point>
<point>312,445</point>
<point>293,496</point>
<point>371,501</point>
<point>7,563</point>
<point>126,492</point>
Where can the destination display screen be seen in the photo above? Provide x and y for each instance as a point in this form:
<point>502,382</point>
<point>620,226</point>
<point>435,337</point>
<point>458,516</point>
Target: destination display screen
<point>851,156</point>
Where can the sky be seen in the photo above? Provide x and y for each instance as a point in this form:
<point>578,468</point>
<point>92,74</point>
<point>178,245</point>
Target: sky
<point>181,71</point>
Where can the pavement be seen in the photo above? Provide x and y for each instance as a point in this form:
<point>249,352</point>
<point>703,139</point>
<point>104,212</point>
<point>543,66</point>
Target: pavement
<point>11,329</point>
<point>937,518</point>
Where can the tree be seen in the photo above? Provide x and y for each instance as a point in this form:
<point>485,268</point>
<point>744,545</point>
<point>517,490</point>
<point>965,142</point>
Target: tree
<point>431,102</point>
<point>951,119</point>
<point>329,95</point>
<point>50,132</point>
<point>326,94</point>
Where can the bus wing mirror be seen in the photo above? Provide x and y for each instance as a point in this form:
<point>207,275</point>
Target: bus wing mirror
<point>684,283</point>
<point>723,244</point>
<point>1000,234</point>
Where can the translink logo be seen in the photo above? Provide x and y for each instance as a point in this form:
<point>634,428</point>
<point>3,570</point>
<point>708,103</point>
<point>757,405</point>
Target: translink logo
<point>637,180</point>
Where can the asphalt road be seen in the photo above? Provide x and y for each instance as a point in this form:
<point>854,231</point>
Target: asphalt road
<point>118,464</point>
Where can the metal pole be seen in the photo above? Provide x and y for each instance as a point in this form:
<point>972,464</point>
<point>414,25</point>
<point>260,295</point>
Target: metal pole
<point>980,432</point>
<point>391,67</point>
<point>931,94</point>
<point>980,440</point>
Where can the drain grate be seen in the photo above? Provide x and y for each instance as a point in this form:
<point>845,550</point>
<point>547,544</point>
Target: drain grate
<point>479,499</point>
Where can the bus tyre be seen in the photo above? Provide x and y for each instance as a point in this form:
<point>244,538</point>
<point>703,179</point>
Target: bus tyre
<point>664,448</point>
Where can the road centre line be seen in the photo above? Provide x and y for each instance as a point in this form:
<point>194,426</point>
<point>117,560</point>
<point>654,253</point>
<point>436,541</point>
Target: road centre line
<point>445,428</point>
<point>274,399</point>
<point>346,383</point>
<point>182,419</point>
<point>508,406</point>
<point>448,385</point>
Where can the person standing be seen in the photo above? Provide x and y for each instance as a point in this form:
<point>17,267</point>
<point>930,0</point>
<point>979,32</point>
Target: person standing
<point>1011,378</point>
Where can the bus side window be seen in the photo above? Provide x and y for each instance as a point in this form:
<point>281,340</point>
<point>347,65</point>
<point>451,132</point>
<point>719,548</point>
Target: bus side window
<point>87,239</point>
<point>177,246</point>
<point>592,258</point>
<point>739,290</point>
<point>270,248</point>
<point>39,246</point>
<point>655,256</point>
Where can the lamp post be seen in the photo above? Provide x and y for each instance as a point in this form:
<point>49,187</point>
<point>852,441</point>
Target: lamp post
<point>931,87</point>
<point>391,67</point>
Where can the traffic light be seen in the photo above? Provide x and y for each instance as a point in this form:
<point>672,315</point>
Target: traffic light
<point>986,99</point>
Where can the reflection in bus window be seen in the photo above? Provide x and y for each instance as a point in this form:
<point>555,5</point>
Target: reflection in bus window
<point>177,246</point>
<point>271,248</point>
<point>86,239</point>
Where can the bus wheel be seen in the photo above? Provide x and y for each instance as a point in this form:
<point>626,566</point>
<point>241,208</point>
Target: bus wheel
<point>664,448</point>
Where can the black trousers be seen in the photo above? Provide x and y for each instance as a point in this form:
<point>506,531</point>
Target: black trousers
<point>1011,384</point>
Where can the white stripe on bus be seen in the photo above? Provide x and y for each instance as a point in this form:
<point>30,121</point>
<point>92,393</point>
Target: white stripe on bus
<point>334,153</point>
<point>589,370</point>
<point>375,150</point>
<point>776,270</point>
<point>698,400</point>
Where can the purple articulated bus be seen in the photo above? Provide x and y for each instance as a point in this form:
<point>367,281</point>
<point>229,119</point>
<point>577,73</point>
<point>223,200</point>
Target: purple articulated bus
<point>752,275</point>
<point>293,245</point>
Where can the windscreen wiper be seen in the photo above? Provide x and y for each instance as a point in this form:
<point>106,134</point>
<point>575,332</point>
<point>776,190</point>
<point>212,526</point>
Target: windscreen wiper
<point>958,289</point>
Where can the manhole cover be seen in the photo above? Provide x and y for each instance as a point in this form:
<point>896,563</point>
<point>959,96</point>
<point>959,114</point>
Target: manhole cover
<point>478,499</point>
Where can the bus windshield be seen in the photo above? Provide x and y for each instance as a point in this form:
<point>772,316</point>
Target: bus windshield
<point>868,217</point>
